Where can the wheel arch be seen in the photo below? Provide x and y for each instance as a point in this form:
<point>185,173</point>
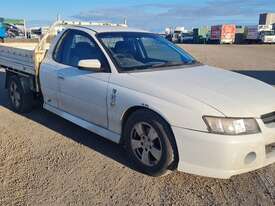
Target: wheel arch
<point>133,109</point>
<point>27,81</point>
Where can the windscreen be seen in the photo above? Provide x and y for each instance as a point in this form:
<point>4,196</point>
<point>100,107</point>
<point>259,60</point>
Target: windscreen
<point>139,51</point>
<point>268,33</point>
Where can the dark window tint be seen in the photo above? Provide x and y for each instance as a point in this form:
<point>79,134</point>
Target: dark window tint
<point>77,45</point>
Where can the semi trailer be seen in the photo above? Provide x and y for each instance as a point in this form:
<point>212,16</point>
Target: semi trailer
<point>252,34</point>
<point>201,35</point>
<point>223,34</point>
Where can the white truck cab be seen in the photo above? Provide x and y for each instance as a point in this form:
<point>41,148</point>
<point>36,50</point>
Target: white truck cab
<point>266,34</point>
<point>178,33</point>
<point>135,88</point>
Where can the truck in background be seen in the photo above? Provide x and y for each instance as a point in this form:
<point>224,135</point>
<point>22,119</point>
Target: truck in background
<point>223,34</point>
<point>267,37</point>
<point>37,32</point>
<point>177,34</point>
<point>201,35</point>
<point>240,34</point>
<point>266,34</point>
<point>187,37</point>
<point>14,32</point>
<point>169,33</point>
<point>266,28</point>
<point>252,34</point>
<point>12,28</point>
<point>267,19</point>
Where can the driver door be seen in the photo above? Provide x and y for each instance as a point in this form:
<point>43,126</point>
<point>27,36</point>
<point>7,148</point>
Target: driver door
<point>82,93</point>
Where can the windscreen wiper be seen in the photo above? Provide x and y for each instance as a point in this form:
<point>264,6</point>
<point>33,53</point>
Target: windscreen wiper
<point>139,67</point>
<point>168,64</point>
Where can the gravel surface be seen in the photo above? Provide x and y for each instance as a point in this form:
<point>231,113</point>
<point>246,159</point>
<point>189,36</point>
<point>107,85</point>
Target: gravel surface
<point>244,57</point>
<point>45,160</point>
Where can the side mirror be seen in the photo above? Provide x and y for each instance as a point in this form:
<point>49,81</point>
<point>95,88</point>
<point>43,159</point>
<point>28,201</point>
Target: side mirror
<point>90,64</point>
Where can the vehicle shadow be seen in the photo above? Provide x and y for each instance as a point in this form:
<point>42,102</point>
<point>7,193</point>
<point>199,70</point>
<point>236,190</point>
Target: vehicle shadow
<point>266,76</point>
<point>71,131</point>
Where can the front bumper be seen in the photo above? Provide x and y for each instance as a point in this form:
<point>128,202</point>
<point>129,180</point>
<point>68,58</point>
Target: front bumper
<point>222,156</point>
<point>268,40</point>
<point>227,41</point>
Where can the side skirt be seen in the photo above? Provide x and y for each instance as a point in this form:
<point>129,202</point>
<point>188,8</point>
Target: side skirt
<point>114,137</point>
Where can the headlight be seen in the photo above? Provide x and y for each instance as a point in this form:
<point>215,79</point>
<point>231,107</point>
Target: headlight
<point>231,126</point>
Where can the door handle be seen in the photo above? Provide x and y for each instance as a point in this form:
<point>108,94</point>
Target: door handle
<point>60,77</point>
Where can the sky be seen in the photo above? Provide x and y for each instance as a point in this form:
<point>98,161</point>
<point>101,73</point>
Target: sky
<point>145,14</point>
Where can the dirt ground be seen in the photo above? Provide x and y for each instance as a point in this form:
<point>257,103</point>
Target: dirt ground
<point>45,160</point>
<point>244,57</point>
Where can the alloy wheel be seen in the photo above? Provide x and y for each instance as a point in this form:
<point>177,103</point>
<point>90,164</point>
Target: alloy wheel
<point>146,144</point>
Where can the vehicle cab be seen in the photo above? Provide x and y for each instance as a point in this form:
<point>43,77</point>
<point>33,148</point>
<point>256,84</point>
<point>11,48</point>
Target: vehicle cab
<point>267,36</point>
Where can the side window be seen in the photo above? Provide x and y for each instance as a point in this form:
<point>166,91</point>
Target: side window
<point>57,55</point>
<point>77,45</point>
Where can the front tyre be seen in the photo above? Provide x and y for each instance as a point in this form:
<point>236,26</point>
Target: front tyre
<point>147,142</point>
<point>20,100</point>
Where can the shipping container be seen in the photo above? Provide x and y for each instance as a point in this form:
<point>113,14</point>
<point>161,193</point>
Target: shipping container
<point>223,34</point>
<point>201,35</point>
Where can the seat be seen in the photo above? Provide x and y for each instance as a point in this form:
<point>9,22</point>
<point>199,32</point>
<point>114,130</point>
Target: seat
<point>84,50</point>
<point>125,47</point>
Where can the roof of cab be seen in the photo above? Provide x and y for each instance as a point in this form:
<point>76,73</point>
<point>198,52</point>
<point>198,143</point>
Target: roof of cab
<point>102,29</point>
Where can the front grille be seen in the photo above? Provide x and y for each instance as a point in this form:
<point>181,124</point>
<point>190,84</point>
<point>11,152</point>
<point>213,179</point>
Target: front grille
<point>268,118</point>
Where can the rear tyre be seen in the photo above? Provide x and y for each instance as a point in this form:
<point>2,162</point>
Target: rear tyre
<point>20,100</point>
<point>147,142</point>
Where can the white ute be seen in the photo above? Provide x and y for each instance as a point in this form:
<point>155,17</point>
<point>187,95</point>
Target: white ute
<point>135,88</point>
